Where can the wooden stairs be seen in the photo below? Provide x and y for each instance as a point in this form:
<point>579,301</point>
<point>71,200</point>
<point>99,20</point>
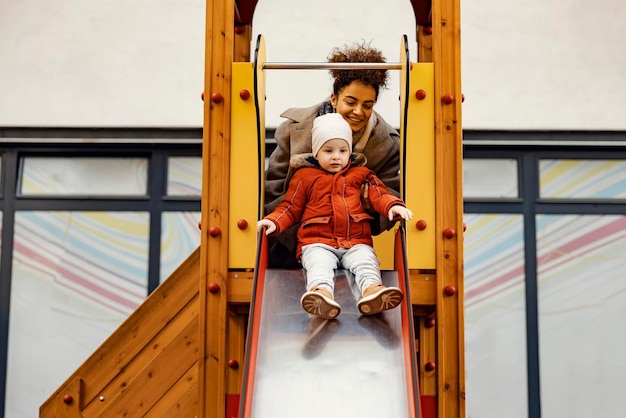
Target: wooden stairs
<point>149,366</point>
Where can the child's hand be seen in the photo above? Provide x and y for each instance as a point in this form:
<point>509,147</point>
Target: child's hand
<point>400,211</point>
<point>271,226</point>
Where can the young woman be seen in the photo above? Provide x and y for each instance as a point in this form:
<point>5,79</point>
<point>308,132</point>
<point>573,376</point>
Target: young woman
<point>354,95</point>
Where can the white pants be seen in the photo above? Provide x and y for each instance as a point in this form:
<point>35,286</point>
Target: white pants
<point>320,262</point>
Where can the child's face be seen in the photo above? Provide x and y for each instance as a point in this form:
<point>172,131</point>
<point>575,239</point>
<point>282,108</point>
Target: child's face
<point>334,155</point>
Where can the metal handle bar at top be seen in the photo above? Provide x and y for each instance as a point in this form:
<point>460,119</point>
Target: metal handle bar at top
<point>332,66</point>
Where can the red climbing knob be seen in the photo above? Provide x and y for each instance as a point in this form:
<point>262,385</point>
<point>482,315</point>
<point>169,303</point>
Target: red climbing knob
<point>242,224</point>
<point>214,231</point>
<point>421,225</point>
<point>430,322</point>
<point>200,225</point>
<point>214,287</point>
<point>244,94</point>
<point>462,97</point>
<point>430,366</point>
<point>449,290</point>
<point>233,364</point>
<point>239,30</point>
<point>464,227</point>
<point>428,30</point>
<point>420,94</point>
<point>68,399</point>
<point>217,97</point>
<point>449,233</point>
<point>202,96</point>
<point>447,98</point>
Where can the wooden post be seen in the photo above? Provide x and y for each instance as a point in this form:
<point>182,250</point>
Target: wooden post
<point>446,53</point>
<point>212,346</point>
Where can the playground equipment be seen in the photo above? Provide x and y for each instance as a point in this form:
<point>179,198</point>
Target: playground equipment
<point>184,352</point>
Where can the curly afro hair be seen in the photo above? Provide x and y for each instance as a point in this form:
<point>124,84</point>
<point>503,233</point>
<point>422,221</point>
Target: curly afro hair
<point>362,52</point>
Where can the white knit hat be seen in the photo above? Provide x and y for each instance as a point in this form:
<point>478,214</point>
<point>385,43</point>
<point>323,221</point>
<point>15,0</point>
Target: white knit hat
<point>327,127</point>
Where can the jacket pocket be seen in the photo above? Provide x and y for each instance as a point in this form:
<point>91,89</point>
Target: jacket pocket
<point>360,225</point>
<point>315,228</point>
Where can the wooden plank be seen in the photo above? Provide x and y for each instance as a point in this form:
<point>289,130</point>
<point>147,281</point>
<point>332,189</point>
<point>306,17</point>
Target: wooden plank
<point>425,43</point>
<point>181,400</point>
<point>236,351</point>
<point>136,393</point>
<point>68,402</point>
<point>240,287</point>
<point>446,50</point>
<point>428,353</point>
<point>149,354</point>
<point>243,37</point>
<point>219,46</point>
<point>423,288</point>
<point>134,334</point>
<point>187,406</point>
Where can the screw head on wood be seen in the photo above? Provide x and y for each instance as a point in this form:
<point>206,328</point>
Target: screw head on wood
<point>217,97</point>
<point>449,290</point>
<point>214,287</point>
<point>447,98</point>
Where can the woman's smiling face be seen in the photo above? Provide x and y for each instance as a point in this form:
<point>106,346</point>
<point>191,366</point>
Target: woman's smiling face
<point>355,103</point>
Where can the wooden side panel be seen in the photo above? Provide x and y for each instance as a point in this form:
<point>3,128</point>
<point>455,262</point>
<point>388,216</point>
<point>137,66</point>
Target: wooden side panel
<point>147,379</point>
<point>219,44</point>
<point>181,400</point>
<point>167,321</point>
<point>446,50</point>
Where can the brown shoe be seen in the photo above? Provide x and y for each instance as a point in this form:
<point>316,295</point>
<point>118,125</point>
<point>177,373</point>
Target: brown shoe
<point>377,298</point>
<point>319,301</point>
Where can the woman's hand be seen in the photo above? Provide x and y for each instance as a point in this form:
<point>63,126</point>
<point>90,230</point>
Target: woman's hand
<point>365,200</point>
<point>271,226</point>
<point>401,211</point>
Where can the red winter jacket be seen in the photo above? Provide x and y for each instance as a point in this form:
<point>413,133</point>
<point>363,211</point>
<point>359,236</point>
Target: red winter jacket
<point>328,206</point>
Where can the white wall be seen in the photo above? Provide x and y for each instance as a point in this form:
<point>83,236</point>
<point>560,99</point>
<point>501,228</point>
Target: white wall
<point>530,65</point>
<point>544,65</point>
<point>326,25</point>
<point>101,63</point>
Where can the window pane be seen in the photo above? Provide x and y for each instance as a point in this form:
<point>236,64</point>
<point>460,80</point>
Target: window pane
<point>582,179</point>
<point>43,176</point>
<point>495,317</point>
<point>76,277</point>
<point>184,176</point>
<point>581,261</point>
<point>490,178</point>
<point>180,237</point>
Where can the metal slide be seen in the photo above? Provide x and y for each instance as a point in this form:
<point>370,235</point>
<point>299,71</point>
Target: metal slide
<point>299,366</point>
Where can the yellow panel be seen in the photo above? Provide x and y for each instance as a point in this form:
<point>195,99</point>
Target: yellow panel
<point>384,245</point>
<point>244,191</point>
<point>420,167</point>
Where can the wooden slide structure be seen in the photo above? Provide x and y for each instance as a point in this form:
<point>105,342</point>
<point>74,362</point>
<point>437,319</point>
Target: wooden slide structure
<point>223,337</point>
